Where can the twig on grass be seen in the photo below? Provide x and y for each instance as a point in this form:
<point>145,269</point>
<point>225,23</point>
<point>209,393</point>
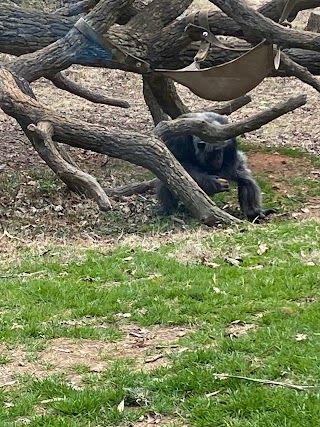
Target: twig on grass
<point>23,275</point>
<point>270,382</point>
<point>8,384</point>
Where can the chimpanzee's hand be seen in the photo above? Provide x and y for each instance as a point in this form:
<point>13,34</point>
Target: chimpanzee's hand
<point>218,185</point>
<point>261,213</point>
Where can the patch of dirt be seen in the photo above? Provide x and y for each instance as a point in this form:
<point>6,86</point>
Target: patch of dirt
<point>279,168</point>
<point>311,210</point>
<point>159,420</point>
<point>148,348</point>
<point>278,164</point>
<point>237,329</point>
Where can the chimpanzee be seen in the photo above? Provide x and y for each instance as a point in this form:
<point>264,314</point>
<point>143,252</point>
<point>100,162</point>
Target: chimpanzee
<point>212,168</point>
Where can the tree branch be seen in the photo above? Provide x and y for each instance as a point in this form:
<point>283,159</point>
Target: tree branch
<point>62,82</point>
<point>41,136</point>
<point>220,133</point>
<point>130,189</point>
<point>297,70</point>
<point>265,28</point>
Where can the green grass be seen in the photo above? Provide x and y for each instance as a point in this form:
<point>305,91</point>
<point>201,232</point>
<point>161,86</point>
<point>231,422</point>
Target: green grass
<point>81,296</point>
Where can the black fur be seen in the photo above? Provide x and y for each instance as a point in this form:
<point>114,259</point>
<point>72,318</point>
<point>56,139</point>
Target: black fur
<point>206,164</point>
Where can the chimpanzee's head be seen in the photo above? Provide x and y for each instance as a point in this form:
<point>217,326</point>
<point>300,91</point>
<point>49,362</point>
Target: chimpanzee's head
<point>208,155</point>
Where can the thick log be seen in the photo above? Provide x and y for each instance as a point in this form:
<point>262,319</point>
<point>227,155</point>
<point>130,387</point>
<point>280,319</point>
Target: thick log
<point>38,29</point>
<point>299,71</point>
<point>314,21</point>
<point>219,133</point>
<point>165,93</point>
<point>61,54</point>
<point>143,150</point>
<point>84,6</point>
<point>230,107</point>
<point>155,110</point>
<point>41,137</point>
<point>163,47</point>
<point>130,189</point>
<point>264,28</point>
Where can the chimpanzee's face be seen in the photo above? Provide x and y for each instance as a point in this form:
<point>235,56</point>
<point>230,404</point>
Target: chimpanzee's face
<point>207,155</point>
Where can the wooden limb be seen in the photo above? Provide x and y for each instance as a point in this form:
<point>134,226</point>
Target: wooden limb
<point>62,82</point>
<point>130,189</point>
<point>84,6</point>
<point>220,24</point>
<point>143,150</point>
<point>297,70</point>
<point>231,106</point>
<point>156,111</point>
<point>264,28</point>
<point>218,133</point>
<point>65,51</point>
<point>166,95</point>
<point>305,58</point>
<point>314,21</point>
<point>41,137</point>
<point>72,9</point>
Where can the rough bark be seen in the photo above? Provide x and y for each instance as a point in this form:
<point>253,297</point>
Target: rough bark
<point>129,190</point>
<point>217,133</point>
<point>61,54</point>
<point>264,28</point>
<point>230,107</point>
<point>297,70</point>
<point>41,137</point>
<point>163,44</point>
<point>143,150</point>
<point>314,22</point>
<point>155,110</point>
<point>84,6</point>
<point>165,93</point>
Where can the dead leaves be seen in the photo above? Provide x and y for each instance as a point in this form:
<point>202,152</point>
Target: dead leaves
<point>235,257</point>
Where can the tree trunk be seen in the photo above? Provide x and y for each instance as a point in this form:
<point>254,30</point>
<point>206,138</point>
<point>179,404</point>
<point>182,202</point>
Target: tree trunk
<point>314,21</point>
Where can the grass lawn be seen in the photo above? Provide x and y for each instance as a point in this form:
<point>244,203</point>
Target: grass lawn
<point>114,335</point>
<point>169,326</point>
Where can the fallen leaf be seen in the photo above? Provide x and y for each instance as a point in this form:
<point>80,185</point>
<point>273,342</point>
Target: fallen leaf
<point>214,393</point>
<point>233,261</point>
<point>123,315</point>
<point>301,337</point>
<point>262,249</point>
<point>120,407</point>
<point>55,399</point>
<point>255,267</point>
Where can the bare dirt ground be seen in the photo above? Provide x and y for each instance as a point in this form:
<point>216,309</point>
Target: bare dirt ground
<point>299,129</point>
<point>148,347</point>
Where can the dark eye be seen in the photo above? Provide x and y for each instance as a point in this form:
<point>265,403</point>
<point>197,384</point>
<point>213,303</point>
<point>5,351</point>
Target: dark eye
<point>201,145</point>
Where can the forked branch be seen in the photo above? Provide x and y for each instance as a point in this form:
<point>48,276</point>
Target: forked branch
<point>219,133</point>
<point>41,137</point>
